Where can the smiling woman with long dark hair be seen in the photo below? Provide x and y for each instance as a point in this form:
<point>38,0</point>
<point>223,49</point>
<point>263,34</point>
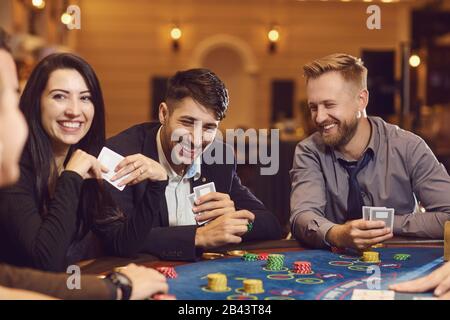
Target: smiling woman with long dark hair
<point>57,211</point>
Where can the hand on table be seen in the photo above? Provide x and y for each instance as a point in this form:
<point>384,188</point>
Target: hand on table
<point>358,234</point>
<point>439,280</point>
<point>227,228</point>
<point>146,281</point>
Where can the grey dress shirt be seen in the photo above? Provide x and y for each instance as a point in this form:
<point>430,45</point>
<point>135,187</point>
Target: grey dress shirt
<point>402,172</point>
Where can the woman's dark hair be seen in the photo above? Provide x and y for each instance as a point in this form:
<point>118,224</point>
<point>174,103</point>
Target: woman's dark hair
<point>202,85</point>
<point>39,145</point>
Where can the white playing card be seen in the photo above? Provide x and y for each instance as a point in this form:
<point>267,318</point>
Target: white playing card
<point>364,294</point>
<point>385,214</point>
<point>366,211</point>
<point>191,199</point>
<point>111,159</point>
<point>204,189</point>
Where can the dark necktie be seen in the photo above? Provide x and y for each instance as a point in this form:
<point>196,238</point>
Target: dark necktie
<point>355,199</point>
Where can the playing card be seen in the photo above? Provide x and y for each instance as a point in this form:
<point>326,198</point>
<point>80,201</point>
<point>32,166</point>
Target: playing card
<point>364,294</point>
<point>385,214</point>
<point>204,189</point>
<point>191,199</point>
<point>111,159</point>
<point>366,211</point>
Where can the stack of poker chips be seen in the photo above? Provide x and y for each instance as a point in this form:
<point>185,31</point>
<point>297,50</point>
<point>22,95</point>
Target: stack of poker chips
<point>302,267</point>
<point>263,256</point>
<point>275,262</point>
<point>371,256</point>
<point>402,256</point>
<point>253,286</point>
<point>217,282</point>
<point>250,257</point>
<point>169,272</point>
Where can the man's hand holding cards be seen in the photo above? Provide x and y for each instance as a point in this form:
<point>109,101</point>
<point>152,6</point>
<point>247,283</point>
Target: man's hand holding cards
<point>379,214</point>
<point>375,227</point>
<point>210,204</point>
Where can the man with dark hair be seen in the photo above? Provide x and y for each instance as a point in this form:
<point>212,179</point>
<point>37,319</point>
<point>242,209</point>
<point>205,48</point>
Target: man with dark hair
<point>196,101</point>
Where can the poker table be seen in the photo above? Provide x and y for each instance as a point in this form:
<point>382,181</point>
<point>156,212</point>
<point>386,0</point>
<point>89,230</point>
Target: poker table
<point>333,275</point>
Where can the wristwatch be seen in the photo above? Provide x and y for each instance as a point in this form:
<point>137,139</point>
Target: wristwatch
<point>122,282</point>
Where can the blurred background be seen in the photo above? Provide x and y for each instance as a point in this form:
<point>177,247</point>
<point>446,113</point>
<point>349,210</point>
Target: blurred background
<point>258,48</point>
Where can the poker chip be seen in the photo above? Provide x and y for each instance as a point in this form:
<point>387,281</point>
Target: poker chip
<point>253,286</point>
<point>212,255</point>
<point>263,256</point>
<point>302,267</point>
<point>250,257</point>
<point>371,256</point>
<point>169,272</point>
<point>217,282</point>
<point>236,253</point>
<point>402,256</point>
<point>249,226</point>
<point>162,296</point>
<point>275,262</point>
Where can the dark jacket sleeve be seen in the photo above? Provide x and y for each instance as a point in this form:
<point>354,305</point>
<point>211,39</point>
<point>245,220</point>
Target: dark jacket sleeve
<point>142,230</point>
<point>173,243</point>
<point>55,284</point>
<point>30,238</point>
<point>266,225</point>
<point>127,237</point>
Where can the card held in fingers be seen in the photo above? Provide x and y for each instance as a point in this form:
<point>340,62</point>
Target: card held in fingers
<point>385,214</point>
<point>204,189</point>
<point>111,159</point>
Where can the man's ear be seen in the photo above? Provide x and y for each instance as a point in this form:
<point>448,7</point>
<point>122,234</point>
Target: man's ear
<point>163,113</point>
<point>363,100</point>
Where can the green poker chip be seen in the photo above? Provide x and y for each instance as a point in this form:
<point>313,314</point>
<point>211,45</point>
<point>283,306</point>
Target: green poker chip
<point>402,256</point>
<point>250,257</point>
<point>249,226</point>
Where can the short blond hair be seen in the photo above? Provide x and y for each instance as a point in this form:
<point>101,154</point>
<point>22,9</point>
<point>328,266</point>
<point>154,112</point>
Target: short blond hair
<point>351,68</point>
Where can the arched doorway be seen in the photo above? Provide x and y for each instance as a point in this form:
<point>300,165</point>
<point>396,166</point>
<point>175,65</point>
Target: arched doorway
<point>232,60</point>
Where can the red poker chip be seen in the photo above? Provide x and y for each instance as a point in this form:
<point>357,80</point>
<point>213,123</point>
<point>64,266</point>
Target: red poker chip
<point>169,272</point>
<point>263,256</point>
